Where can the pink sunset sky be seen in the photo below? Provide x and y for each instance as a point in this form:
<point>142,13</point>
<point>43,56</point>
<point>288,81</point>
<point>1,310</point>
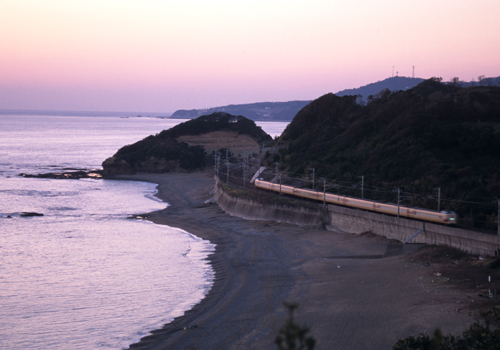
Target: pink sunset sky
<point>163,55</point>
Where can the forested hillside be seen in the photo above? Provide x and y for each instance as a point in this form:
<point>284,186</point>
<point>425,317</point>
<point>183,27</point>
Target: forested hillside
<point>432,136</point>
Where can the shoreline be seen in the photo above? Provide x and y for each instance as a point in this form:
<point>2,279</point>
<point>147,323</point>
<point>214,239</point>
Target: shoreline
<point>353,291</point>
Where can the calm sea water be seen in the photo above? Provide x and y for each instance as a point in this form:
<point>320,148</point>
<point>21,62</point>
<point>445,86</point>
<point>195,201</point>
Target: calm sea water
<point>84,275</point>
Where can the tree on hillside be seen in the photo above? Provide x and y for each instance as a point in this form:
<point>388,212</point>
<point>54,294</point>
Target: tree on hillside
<point>455,81</point>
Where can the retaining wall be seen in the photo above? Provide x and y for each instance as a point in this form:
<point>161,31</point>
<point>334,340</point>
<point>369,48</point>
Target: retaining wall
<point>359,221</point>
<point>253,210</point>
<point>343,219</point>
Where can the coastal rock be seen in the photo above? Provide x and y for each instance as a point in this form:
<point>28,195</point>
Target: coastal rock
<point>115,166</point>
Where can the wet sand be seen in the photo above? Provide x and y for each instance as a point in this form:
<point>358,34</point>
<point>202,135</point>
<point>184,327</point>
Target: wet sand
<point>353,291</point>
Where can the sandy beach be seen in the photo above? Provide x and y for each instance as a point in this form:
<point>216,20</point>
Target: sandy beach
<point>353,291</point>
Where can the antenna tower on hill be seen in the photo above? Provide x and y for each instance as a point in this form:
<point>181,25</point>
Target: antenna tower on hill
<point>413,74</point>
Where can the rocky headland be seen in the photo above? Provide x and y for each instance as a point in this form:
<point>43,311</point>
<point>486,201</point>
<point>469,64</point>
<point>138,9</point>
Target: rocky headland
<point>188,146</point>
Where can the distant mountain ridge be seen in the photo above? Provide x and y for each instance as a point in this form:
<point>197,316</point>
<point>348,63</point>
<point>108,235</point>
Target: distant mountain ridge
<point>393,84</point>
<point>286,111</point>
<point>271,111</point>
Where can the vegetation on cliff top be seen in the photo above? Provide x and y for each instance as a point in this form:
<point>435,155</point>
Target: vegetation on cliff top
<point>218,121</point>
<point>433,135</point>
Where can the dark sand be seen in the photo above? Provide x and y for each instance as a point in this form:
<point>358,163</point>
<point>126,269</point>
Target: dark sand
<point>354,291</point>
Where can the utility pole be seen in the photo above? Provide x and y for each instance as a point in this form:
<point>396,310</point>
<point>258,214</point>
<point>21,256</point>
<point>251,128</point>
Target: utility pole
<point>244,168</point>
<point>227,165</point>
<point>215,164</point>
<point>399,192</point>
<point>280,183</point>
<point>401,199</point>
<point>313,175</point>
<point>276,171</point>
<point>439,198</point>
<point>497,201</point>
<point>362,186</point>
<point>218,163</point>
<point>324,192</point>
<point>217,160</point>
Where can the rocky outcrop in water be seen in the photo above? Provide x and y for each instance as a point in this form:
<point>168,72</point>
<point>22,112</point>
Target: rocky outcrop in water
<point>29,214</point>
<point>80,174</point>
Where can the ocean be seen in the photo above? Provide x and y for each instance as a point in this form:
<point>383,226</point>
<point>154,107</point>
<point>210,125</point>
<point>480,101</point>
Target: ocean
<point>84,275</point>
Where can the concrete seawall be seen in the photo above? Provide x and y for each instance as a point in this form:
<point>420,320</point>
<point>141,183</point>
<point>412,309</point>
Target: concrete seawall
<point>343,219</point>
<point>253,210</point>
<point>359,221</point>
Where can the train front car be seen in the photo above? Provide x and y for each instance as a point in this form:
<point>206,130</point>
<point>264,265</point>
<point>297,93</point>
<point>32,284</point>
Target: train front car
<point>449,217</point>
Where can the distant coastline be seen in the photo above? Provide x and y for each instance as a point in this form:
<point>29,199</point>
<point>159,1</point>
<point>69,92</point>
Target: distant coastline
<point>83,113</point>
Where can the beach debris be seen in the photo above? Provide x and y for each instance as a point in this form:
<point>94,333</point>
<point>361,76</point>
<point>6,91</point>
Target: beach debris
<point>191,327</point>
<point>338,267</point>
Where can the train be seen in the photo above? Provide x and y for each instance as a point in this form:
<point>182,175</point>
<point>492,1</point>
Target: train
<point>443,217</point>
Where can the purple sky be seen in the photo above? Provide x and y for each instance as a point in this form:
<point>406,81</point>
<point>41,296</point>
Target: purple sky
<point>160,56</point>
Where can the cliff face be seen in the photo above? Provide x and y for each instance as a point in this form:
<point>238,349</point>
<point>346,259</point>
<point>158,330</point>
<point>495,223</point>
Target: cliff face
<point>187,146</point>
